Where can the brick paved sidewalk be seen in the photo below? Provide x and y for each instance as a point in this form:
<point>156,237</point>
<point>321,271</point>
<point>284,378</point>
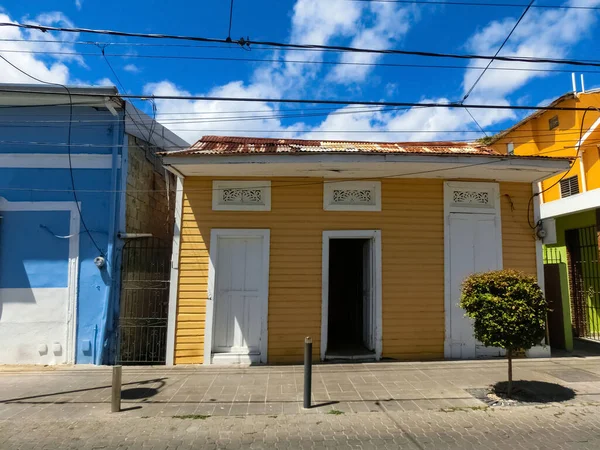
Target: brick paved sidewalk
<point>529,427</point>
<point>67,392</point>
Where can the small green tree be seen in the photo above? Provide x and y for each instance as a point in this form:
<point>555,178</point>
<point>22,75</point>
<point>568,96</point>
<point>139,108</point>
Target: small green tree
<point>508,309</point>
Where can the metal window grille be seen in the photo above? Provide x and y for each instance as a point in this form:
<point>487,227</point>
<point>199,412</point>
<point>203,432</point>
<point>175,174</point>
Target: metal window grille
<point>145,278</point>
<point>569,186</point>
<point>584,281</point>
<point>553,122</point>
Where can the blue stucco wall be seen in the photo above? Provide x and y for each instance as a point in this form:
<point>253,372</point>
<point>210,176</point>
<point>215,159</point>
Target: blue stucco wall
<point>39,258</point>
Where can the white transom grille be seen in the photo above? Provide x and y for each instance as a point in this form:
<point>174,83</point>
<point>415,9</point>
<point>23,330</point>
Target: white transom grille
<point>239,196</point>
<point>352,196</point>
<point>471,197</point>
<point>242,195</point>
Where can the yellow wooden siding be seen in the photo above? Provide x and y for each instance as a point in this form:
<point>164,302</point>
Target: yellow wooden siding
<point>412,230</point>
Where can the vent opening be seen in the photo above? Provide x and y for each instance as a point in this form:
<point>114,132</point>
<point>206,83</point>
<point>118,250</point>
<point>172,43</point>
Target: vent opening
<point>569,186</point>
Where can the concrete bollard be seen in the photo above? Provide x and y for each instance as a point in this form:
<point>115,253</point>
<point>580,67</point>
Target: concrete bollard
<point>115,405</point>
<point>307,371</point>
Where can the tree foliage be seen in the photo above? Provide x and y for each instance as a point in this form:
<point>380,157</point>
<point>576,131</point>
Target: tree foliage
<point>508,309</point>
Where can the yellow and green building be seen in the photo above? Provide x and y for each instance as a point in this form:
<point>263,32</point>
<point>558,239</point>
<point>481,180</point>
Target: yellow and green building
<point>569,209</point>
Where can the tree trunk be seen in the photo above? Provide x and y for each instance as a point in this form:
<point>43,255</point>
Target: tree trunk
<point>510,377</point>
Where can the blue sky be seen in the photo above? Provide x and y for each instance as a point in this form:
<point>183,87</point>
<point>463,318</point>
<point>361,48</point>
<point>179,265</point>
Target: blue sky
<point>440,28</point>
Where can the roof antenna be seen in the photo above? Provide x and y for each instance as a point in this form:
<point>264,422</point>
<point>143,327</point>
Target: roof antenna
<point>582,85</point>
<point>574,83</point>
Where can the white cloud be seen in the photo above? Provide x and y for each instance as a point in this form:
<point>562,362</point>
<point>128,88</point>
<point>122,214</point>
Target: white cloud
<point>314,22</point>
<point>104,82</point>
<point>50,68</point>
<point>78,4</point>
<point>192,119</point>
<point>543,32</point>
<point>388,24</point>
<point>132,68</point>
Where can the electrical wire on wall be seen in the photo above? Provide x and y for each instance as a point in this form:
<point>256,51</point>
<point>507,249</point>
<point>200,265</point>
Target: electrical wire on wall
<point>532,225</point>
<point>69,131</point>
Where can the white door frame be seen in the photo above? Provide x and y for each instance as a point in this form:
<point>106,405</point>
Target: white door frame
<point>215,234</point>
<point>492,208</point>
<point>375,236</point>
<point>73,266</point>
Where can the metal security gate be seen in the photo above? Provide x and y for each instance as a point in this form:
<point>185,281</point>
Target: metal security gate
<point>584,281</point>
<point>142,330</point>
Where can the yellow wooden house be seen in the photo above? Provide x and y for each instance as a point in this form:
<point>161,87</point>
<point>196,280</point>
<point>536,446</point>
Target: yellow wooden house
<point>360,245</point>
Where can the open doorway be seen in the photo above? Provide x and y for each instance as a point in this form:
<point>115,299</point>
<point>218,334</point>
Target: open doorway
<point>351,308</point>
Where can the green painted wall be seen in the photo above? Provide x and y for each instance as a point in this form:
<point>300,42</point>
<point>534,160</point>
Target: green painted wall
<point>557,253</point>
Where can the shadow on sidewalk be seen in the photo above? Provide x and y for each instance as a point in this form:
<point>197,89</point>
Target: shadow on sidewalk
<point>148,392</point>
<point>526,391</point>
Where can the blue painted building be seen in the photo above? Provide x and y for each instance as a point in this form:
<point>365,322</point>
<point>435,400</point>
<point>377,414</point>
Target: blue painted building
<point>78,176</point>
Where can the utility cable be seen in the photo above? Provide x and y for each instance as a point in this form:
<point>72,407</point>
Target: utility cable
<point>299,61</point>
<point>577,156</point>
<point>498,51</point>
<point>490,63</point>
<point>246,43</point>
<point>455,3</point>
<point>69,131</point>
<point>230,22</point>
<point>311,101</point>
<point>125,90</point>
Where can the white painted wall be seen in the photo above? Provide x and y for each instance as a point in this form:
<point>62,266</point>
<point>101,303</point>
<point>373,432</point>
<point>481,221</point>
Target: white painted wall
<point>34,325</point>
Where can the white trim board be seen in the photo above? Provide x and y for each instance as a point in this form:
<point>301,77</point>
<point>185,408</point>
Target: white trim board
<point>215,234</point>
<point>174,283</point>
<point>56,161</point>
<point>375,236</point>
<point>449,186</point>
<point>73,259</point>
<point>570,205</point>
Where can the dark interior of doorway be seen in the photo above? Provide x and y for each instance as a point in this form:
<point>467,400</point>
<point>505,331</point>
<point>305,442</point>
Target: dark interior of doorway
<point>346,331</point>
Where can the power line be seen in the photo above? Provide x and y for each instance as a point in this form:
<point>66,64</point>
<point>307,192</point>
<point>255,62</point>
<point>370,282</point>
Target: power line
<point>230,47</point>
<point>246,43</point>
<point>499,158</point>
<point>299,61</point>
<point>311,101</point>
<point>455,3</point>
<point>407,144</point>
<point>490,63</point>
<point>498,51</point>
<point>230,21</point>
<point>68,145</point>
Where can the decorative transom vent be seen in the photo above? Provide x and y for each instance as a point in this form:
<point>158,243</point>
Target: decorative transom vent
<point>471,197</point>
<point>352,196</point>
<point>242,195</point>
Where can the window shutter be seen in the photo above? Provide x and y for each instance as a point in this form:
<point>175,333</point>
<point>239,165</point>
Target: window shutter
<point>569,186</point>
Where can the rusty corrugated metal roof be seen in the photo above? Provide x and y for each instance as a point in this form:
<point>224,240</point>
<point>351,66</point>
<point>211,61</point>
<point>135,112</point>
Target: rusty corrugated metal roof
<point>232,145</point>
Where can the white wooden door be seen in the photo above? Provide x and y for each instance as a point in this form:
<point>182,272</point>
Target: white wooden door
<point>239,300</point>
<point>474,247</point>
